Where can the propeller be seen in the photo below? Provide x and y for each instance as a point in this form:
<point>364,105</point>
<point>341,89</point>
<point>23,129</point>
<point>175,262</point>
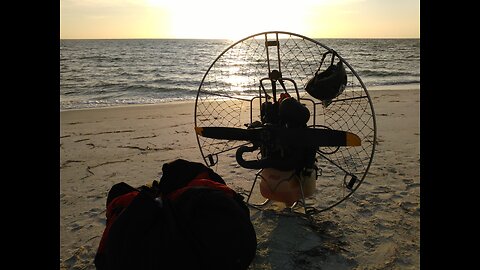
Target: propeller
<point>309,137</point>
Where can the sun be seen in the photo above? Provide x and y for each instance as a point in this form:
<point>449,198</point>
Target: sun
<point>230,20</point>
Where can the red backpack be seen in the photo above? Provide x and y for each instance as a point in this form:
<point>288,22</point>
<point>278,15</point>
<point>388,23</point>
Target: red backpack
<point>189,220</point>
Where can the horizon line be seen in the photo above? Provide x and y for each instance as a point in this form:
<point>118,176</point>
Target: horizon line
<point>170,38</point>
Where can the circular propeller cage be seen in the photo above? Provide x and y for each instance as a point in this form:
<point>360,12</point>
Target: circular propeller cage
<point>230,95</point>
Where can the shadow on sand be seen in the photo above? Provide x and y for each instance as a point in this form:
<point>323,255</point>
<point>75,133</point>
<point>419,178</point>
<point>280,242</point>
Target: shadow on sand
<point>292,242</point>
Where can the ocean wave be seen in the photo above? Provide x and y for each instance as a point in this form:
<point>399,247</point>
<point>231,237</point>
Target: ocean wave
<point>104,73</point>
<point>385,73</point>
<point>386,83</point>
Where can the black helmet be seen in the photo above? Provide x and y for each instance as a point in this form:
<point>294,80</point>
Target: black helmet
<point>329,83</point>
<point>293,113</point>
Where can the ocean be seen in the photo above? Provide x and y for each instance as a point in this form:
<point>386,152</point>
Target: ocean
<point>102,73</point>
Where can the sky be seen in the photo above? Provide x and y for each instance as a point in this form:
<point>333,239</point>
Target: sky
<point>225,19</point>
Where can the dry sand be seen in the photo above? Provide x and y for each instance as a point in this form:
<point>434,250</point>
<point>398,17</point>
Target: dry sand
<point>378,227</point>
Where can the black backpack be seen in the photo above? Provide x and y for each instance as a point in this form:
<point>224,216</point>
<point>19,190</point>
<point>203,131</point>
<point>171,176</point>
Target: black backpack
<point>182,222</point>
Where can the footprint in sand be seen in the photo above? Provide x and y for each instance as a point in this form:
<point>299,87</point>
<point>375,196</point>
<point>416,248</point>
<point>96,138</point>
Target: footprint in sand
<point>410,183</point>
<point>75,227</point>
<point>96,196</point>
<point>392,170</point>
<point>375,200</point>
<point>381,189</point>
<point>94,212</point>
<point>369,244</point>
<point>397,197</point>
<point>382,226</point>
<point>80,259</point>
<point>413,185</point>
<point>407,181</point>
<point>410,207</point>
<point>365,212</point>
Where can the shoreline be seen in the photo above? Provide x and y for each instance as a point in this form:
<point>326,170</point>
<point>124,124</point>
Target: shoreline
<point>397,87</point>
<point>400,87</point>
<point>131,105</point>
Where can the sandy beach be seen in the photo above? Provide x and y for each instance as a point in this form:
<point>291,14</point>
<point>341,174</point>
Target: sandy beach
<point>378,227</point>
